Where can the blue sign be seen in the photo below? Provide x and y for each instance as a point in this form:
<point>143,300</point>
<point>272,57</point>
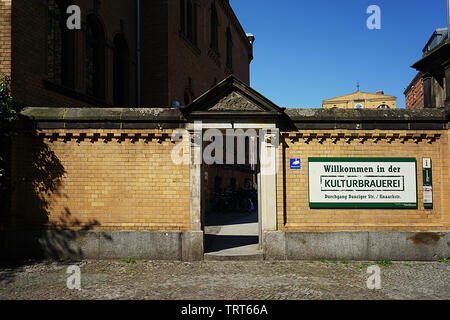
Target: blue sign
<point>296,164</point>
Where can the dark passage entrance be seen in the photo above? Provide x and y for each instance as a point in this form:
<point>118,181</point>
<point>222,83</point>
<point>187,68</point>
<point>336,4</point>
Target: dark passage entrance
<point>230,206</point>
<point>231,201</point>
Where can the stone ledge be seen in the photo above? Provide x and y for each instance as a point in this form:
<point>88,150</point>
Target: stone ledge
<point>134,118</point>
<point>74,244</point>
<point>188,245</point>
<point>49,114</point>
<point>366,115</point>
<point>369,119</point>
<point>358,245</point>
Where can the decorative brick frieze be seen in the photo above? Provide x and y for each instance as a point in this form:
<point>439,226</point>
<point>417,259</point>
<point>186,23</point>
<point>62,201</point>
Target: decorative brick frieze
<point>362,137</point>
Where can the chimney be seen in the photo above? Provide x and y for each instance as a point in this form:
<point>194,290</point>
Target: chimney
<point>382,92</point>
<point>251,40</point>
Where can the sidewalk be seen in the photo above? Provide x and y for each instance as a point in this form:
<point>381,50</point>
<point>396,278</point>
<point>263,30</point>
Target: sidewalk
<point>225,280</point>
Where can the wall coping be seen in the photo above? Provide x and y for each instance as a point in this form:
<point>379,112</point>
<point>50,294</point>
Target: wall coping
<point>101,114</point>
<point>292,119</point>
<point>335,114</point>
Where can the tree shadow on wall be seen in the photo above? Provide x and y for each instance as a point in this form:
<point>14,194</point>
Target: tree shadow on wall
<point>37,176</point>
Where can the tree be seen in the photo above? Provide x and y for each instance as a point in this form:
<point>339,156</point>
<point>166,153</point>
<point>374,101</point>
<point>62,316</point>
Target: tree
<point>8,115</point>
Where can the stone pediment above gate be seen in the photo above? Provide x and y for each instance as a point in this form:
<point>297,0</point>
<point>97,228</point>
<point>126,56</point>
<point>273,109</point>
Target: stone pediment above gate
<point>235,102</point>
<point>232,98</point>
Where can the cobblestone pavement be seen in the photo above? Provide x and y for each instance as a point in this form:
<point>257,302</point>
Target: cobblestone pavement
<point>228,280</point>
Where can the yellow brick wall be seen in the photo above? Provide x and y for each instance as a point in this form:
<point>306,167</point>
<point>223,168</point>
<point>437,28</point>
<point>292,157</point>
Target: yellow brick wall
<point>125,180</point>
<point>5,36</point>
<point>100,183</point>
<point>296,214</point>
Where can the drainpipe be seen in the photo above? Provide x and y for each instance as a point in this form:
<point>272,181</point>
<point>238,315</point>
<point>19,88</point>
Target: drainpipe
<point>139,53</point>
<point>448,19</point>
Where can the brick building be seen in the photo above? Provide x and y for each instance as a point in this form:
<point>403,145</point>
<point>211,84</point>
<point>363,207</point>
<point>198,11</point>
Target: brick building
<point>190,46</point>
<point>434,74</point>
<point>414,93</point>
<point>363,100</point>
<point>186,47</point>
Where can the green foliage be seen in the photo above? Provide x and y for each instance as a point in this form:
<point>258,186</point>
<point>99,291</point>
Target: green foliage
<point>333,261</point>
<point>7,112</point>
<point>384,262</point>
<point>365,265</point>
<point>444,260</point>
<point>128,260</point>
<point>7,115</point>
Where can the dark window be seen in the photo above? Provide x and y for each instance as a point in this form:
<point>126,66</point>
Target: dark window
<point>233,183</point>
<point>189,21</point>
<point>214,29</point>
<point>182,16</point>
<point>195,20</point>
<point>383,106</point>
<point>229,49</point>
<point>191,30</point>
<point>60,45</point>
<point>95,58</point>
<point>121,71</point>
<point>217,184</point>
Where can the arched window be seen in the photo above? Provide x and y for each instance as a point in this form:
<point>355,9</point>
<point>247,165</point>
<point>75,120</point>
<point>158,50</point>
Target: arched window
<point>383,106</point>
<point>60,45</point>
<point>195,20</point>
<point>189,19</point>
<point>214,29</point>
<point>95,58</point>
<point>121,71</point>
<point>182,16</point>
<point>229,49</point>
<point>191,28</point>
<point>359,106</point>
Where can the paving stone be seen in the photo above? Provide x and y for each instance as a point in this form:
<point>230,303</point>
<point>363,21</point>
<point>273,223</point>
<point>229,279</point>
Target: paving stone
<point>230,280</point>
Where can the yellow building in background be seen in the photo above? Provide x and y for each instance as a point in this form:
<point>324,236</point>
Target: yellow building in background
<point>364,100</point>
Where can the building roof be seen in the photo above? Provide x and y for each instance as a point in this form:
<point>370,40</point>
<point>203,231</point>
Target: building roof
<point>432,60</point>
<point>436,39</point>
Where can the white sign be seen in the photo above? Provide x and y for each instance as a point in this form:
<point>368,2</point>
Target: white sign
<point>427,195</point>
<point>362,183</point>
<point>426,163</point>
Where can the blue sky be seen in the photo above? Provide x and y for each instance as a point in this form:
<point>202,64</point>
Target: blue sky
<point>307,51</point>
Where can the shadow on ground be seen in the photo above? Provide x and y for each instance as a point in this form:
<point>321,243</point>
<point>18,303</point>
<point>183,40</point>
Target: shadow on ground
<point>226,219</point>
<point>215,243</point>
<point>239,232</point>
